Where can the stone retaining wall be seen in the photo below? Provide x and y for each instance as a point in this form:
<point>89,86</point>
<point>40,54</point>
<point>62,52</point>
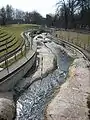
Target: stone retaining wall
<point>17,71</point>
<point>11,79</point>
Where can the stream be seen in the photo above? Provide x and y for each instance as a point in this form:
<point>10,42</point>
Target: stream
<point>32,103</point>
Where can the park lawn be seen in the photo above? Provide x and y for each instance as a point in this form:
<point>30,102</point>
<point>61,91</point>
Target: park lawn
<point>78,38</point>
<point>16,29</point>
<point>13,60</point>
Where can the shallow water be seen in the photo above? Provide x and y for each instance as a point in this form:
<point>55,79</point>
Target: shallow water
<point>31,104</point>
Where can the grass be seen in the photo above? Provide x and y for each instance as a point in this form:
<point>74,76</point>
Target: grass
<point>12,31</point>
<point>3,35</point>
<point>13,41</point>
<point>79,39</point>
<point>5,38</point>
<point>8,41</point>
<point>12,60</point>
<point>17,29</point>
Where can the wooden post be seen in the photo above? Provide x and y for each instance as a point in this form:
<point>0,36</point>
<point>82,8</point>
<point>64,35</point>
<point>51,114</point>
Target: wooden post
<point>59,36</point>
<point>21,52</point>
<point>25,49</point>
<point>84,46</point>
<point>6,60</point>
<point>15,57</point>
<point>88,40</point>
<point>77,39</point>
<point>68,36</point>
<point>80,43</point>
<point>31,42</point>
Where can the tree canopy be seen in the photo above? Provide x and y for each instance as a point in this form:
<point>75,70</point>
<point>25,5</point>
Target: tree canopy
<point>69,14</point>
<point>75,13</point>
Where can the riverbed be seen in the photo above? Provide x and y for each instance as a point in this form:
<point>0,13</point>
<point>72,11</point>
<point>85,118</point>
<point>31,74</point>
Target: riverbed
<point>32,103</point>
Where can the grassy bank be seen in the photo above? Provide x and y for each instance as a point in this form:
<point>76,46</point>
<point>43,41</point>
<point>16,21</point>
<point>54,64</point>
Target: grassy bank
<point>10,39</point>
<point>80,39</point>
<point>16,29</point>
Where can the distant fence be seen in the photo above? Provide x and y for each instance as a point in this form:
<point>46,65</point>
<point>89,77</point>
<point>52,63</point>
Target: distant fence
<point>78,38</point>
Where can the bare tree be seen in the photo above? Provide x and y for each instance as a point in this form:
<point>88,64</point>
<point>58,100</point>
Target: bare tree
<point>62,6</point>
<point>3,16</point>
<point>9,13</point>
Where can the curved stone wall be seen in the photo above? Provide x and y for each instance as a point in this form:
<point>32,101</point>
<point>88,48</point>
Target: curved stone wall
<point>17,71</point>
<point>9,81</point>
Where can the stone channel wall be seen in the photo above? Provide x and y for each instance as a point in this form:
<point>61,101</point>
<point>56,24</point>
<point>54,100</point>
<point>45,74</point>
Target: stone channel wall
<point>17,71</point>
<point>71,47</point>
<point>10,81</point>
<point>72,100</point>
<point>70,103</point>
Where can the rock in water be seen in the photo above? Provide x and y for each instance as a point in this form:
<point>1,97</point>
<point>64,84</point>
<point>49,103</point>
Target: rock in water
<point>7,109</point>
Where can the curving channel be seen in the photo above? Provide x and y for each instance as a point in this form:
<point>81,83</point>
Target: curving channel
<point>32,103</point>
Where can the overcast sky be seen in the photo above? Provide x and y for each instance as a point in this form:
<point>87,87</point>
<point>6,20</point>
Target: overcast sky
<point>41,6</point>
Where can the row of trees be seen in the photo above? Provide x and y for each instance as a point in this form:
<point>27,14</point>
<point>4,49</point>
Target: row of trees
<point>74,13</point>
<point>69,14</point>
<point>8,15</point>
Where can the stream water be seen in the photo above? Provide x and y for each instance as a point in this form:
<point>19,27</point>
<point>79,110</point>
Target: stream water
<point>32,103</point>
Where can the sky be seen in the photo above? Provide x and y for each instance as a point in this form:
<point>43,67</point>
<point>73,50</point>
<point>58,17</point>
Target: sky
<point>42,6</point>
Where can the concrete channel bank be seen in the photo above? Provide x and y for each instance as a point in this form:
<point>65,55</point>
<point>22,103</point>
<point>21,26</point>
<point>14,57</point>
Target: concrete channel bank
<point>72,101</point>
<point>17,71</point>
<point>9,80</point>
